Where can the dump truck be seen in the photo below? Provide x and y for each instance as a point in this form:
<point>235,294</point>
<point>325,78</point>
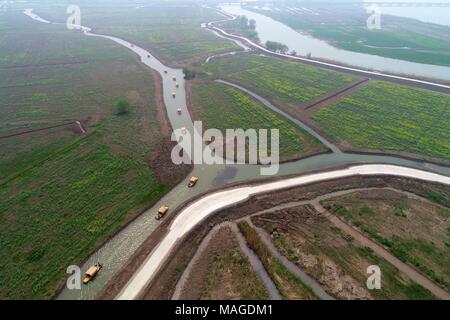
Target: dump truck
<point>179,110</point>
<point>161,212</point>
<point>165,71</point>
<point>174,95</point>
<point>177,85</point>
<point>92,272</point>
<point>174,78</point>
<point>192,181</point>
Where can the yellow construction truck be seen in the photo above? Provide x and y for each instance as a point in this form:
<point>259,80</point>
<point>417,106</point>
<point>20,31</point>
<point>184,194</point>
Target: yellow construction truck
<point>161,212</point>
<point>192,181</point>
<point>92,272</point>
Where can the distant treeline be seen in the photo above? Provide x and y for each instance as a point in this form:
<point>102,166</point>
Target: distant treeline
<point>277,47</point>
<point>246,27</point>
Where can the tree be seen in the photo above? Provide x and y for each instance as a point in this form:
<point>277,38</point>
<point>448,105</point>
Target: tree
<point>277,47</point>
<point>189,73</point>
<point>243,21</point>
<point>123,106</point>
<point>252,24</point>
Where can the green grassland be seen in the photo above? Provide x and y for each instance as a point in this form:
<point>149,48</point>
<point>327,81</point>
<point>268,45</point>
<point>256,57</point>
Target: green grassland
<point>288,84</point>
<point>386,116</point>
<point>61,193</point>
<point>222,107</point>
<point>344,26</point>
<point>415,231</point>
<point>170,30</point>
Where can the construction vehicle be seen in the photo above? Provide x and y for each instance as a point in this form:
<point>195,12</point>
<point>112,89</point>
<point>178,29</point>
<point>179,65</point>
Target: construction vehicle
<point>149,56</point>
<point>174,95</point>
<point>177,85</point>
<point>183,130</point>
<point>92,272</point>
<point>179,110</point>
<point>161,212</point>
<point>174,78</point>
<point>165,71</point>
<point>192,181</point>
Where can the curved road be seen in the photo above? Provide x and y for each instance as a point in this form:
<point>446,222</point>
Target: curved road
<point>197,211</point>
<point>193,214</point>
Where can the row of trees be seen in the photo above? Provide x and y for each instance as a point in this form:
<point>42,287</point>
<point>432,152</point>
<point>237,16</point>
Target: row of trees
<point>246,27</point>
<point>277,47</point>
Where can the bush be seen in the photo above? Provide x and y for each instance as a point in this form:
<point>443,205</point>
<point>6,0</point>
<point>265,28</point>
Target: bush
<point>189,73</point>
<point>123,106</point>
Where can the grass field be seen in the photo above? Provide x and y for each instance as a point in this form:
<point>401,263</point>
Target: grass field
<point>61,193</point>
<point>287,84</point>
<point>415,231</point>
<point>170,30</point>
<point>223,272</point>
<point>344,26</point>
<point>222,107</point>
<point>289,286</point>
<point>386,116</point>
<point>337,262</point>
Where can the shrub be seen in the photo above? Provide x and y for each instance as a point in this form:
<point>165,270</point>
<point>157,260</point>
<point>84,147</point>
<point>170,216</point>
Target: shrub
<point>123,106</point>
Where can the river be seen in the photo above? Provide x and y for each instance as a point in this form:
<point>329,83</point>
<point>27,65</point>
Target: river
<point>271,30</point>
<point>115,252</point>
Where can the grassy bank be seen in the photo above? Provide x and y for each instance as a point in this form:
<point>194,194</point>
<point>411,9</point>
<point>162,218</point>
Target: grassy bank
<point>170,30</point>
<point>387,116</point>
<point>345,27</point>
<point>288,84</point>
<point>289,286</point>
<point>61,192</point>
<point>223,272</point>
<point>222,107</point>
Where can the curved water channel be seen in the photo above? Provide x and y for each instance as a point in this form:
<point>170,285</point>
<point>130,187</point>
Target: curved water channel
<point>115,252</point>
<point>271,30</point>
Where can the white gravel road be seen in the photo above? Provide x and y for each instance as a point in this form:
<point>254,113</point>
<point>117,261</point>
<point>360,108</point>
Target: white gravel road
<point>197,211</point>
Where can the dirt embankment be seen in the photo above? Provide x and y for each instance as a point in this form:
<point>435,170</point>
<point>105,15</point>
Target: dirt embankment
<point>167,277</point>
<point>160,158</point>
<point>221,271</point>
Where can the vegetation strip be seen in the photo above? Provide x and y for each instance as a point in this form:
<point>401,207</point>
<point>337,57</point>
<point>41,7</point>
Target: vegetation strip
<point>340,92</point>
<point>264,101</point>
<point>307,280</point>
<point>289,285</point>
<point>257,265</point>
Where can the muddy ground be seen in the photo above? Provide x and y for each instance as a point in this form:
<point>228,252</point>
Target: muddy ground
<point>334,258</point>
